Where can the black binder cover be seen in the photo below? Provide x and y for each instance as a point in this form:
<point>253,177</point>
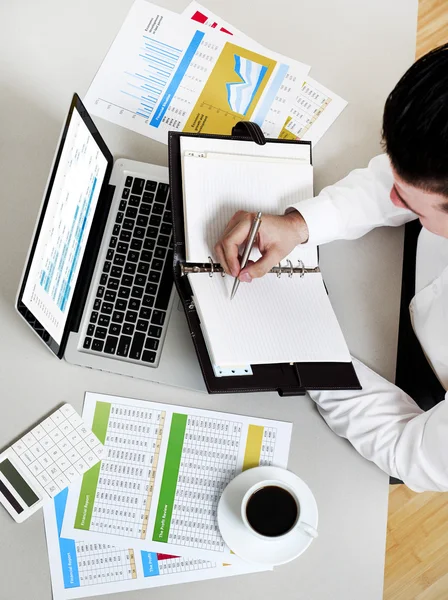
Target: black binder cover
<point>286,379</point>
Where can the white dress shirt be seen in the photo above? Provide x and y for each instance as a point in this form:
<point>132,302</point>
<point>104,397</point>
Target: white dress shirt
<point>381,421</point>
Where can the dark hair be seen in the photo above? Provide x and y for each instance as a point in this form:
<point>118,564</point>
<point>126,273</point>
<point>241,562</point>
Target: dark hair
<point>415,123</point>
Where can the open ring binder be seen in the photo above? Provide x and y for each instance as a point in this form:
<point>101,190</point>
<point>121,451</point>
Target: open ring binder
<point>287,379</point>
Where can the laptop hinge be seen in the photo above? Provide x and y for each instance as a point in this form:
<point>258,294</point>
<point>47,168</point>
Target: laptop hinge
<point>90,256</point>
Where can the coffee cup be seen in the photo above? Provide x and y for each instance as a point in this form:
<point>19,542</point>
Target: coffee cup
<point>270,509</point>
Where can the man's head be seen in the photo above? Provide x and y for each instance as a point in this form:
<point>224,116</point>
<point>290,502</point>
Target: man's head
<point>415,135</point>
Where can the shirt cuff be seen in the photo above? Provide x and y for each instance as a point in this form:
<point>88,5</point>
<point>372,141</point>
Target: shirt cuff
<point>321,218</point>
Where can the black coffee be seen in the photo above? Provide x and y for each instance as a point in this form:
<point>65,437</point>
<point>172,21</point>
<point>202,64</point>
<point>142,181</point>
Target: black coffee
<point>272,511</point>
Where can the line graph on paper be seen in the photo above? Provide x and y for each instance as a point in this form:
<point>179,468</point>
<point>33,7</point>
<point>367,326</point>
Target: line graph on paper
<point>143,87</point>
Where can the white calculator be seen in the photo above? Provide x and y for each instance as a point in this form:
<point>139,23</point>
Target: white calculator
<point>45,461</point>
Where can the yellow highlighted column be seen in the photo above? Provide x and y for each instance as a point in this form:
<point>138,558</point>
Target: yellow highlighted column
<point>253,447</point>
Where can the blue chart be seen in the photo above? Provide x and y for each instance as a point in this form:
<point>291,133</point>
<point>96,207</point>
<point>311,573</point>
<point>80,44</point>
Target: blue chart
<point>158,61</point>
<point>240,94</point>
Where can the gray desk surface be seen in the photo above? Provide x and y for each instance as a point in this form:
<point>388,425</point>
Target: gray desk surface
<point>51,48</point>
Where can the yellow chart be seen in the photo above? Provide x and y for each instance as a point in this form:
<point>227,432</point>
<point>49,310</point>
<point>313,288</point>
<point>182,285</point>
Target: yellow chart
<point>232,91</point>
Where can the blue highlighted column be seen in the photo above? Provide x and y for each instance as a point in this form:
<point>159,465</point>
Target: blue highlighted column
<point>67,548</point>
<point>150,564</point>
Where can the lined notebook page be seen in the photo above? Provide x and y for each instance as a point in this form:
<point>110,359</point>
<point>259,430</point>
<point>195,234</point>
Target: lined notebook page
<point>271,320</point>
<point>215,188</point>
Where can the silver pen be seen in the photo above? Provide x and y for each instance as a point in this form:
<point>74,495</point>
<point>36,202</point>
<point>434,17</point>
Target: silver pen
<point>249,245</point>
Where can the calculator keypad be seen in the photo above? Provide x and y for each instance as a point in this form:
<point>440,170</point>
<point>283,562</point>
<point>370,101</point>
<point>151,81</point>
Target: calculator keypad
<point>58,450</point>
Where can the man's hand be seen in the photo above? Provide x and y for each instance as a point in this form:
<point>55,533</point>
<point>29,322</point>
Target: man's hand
<point>277,237</point>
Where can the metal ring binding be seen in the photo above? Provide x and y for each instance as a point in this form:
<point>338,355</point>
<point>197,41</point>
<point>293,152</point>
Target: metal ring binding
<point>302,266</point>
<point>279,273</point>
<point>212,266</point>
<point>291,268</point>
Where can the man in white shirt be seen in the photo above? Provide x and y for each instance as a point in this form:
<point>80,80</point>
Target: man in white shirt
<point>410,181</point>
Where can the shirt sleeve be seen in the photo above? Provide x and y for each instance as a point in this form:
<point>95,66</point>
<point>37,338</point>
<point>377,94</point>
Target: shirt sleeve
<point>388,428</point>
<point>353,206</point>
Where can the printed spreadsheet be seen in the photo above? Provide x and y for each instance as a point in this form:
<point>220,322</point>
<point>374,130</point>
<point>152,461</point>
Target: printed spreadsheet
<point>164,470</point>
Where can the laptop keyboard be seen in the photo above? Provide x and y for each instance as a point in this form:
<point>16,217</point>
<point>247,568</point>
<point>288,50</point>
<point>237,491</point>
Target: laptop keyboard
<point>129,312</point>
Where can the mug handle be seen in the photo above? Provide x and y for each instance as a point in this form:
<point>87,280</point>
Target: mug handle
<point>308,529</point>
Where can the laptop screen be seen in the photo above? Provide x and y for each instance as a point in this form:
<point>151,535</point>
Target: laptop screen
<point>65,224</point>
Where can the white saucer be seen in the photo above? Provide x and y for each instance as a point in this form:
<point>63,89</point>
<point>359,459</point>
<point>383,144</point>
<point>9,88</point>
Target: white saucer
<point>247,545</point>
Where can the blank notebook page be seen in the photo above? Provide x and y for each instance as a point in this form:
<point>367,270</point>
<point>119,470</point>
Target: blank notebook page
<point>215,188</point>
<point>271,320</point>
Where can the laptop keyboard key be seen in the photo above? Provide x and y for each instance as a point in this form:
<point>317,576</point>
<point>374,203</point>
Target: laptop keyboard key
<point>168,217</point>
<point>145,209</point>
<point>124,292</point>
<point>119,260</point>
<point>124,345</point>
<point>131,316</point>
<point>115,329</point>
<point>121,304</point>
<point>148,300</point>
<point>90,329</point>
<point>87,343</point>
<point>100,333</point>
<point>122,247</point>
<point>117,317</point>
<point>131,212</point>
<point>143,268</point>
<point>116,229</point>
<point>128,328</point>
<point>122,206</point>
<point>113,284</point>
<point>138,186</point>
<point>126,193</point>
<point>140,280</point>
<point>151,344</point>
<point>116,271</point>
<point>137,346</point>
<point>128,181</point>
<point>94,317</point>
<point>162,192</point>
<point>136,244</point>
<point>154,276</point>
<point>100,291</point>
<point>142,221</point>
<point>119,217</point>
<point>146,256</point>
<point>127,280</point>
<point>157,264</point>
<point>158,317</point>
<point>129,268</point>
<point>107,266</point>
<point>155,220</point>
<point>111,345</point>
<point>125,236</point>
<point>159,252</point>
<point>148,197</point>
<point>139,232</point>
<point>137,292</point>
<point>152,232</point>
<point>149,356</point>
<point>103,320</point>
<point>163,240</point>
<point>157,208</point>
<point>97,304</point>
<point>166,228</point>
<point>107,308</point>
<point>149,244</point>
<point>133,256</point>
<point>150,186</point>
<point>113,241</point>
<point>97,345</point>
<point>110,296</point>
<point>155,331</point>
<point>134,304</point>
<point>142,325</point>
<point>128,224</point>
<point>151,288</point>
<point>134,201</point>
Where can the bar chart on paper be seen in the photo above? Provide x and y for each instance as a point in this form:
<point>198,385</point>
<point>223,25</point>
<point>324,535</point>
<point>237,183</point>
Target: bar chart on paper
<point>165,470</point>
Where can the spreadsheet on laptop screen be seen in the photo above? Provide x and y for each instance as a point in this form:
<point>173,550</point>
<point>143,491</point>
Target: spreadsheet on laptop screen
<point>65,228</point>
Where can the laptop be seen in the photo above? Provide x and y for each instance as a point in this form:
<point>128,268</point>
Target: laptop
<point>97,286</point>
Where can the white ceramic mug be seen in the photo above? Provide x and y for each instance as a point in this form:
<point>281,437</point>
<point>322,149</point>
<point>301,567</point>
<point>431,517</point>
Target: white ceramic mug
<point>299,524</point>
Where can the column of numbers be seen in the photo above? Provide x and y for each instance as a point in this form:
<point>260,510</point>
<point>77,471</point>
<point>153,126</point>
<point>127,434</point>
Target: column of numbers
<point>183,565</point>
<point>127,472</point>
<point>101,563</point>
<point>209,461</point>
<point>268,447</point>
